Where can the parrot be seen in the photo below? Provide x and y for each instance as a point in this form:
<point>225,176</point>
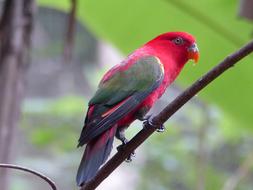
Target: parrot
<point>127,92</point>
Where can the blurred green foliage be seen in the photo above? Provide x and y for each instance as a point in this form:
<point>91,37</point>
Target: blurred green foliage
<point>218,31</point>
<point>171,159</point>
<point>59,121</point>
<point>175,161</point>
<point>66,106</point>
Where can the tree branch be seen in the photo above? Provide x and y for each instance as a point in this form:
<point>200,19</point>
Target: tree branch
<point>166,113</point>
<point>242,172</point>
<point>201,158</point>
<point>43,177</point>
<point>16,27</point>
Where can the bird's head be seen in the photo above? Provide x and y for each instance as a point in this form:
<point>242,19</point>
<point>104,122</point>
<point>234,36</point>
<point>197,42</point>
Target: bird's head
<point>181,46</point>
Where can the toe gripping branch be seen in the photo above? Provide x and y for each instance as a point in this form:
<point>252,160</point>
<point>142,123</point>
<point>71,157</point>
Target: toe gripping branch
<point>148,122</point>
<point>121,136</point>
<point>130,156</point>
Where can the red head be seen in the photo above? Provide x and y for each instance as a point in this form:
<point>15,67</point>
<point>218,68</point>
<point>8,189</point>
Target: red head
<point>180,46</point>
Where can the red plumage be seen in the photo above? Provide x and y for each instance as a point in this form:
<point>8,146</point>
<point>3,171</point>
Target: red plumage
<point>121,98</point>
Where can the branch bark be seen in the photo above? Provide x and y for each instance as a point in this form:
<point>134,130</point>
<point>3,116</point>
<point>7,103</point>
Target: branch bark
<point>38,174</point>
<point>166,113</point>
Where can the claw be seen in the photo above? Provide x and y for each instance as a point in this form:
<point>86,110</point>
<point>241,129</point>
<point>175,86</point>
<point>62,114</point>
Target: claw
<point>161,129</point>
<point>148,120</point>
<point>129,158</point>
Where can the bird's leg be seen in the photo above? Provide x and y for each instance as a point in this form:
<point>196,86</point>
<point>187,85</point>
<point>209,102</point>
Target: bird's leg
<point>120,134</point>
<point>148,119</point>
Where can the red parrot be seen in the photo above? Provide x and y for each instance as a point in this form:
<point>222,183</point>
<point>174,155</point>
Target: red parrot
<point>127,92</point>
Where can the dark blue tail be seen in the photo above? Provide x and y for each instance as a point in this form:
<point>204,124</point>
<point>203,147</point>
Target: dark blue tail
<point>96,153</point>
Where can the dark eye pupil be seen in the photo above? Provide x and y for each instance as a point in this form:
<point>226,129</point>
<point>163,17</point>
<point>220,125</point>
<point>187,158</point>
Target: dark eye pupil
<point>178,41</point>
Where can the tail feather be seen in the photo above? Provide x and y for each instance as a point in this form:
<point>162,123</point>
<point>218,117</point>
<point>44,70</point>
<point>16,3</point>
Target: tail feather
<point>96,153</point>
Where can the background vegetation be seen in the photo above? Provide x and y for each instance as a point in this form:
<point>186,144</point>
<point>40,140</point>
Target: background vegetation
<point>207,145</point>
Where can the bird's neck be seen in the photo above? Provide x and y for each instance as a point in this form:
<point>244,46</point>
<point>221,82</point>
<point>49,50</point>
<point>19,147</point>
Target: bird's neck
<point>172,61</point>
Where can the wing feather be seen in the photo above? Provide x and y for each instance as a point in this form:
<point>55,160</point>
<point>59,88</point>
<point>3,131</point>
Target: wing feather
<point>124,98</point>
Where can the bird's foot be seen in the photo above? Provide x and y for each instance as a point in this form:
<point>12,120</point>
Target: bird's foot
<point>130,157</point>
<point>121,148</point>
<point>161,129</point>
<point>148,121</point>
<point>146,117</point>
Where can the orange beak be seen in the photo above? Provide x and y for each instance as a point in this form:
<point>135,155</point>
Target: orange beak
<point>193,53</point>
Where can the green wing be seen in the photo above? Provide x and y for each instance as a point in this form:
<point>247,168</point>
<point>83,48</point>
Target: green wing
<point>138,78</point>
<point>127,88</point>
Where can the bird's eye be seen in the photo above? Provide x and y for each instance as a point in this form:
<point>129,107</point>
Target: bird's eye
<point>178,41</point>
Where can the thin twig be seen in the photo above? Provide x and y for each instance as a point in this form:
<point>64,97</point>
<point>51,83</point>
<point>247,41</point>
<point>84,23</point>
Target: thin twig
<point>40,175</point>
<point>166,113</point>
<point>242,172</point>
<point>201,158</point>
